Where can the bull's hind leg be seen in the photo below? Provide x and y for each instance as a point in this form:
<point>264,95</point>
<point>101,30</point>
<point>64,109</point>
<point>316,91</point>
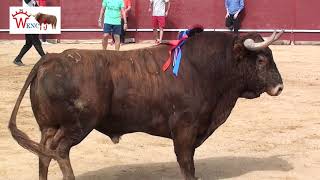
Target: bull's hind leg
<point>44,161</point>
<point>64,160</point>
<point>64,139</point>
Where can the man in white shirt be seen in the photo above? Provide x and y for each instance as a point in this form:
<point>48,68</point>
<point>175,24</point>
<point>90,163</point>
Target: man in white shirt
<point>160,10</point>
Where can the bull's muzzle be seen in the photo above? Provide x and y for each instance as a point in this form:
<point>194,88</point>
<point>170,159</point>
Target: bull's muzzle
<point>275,91</point>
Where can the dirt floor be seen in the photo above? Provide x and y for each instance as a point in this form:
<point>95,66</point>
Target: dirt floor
<point>265,138</point>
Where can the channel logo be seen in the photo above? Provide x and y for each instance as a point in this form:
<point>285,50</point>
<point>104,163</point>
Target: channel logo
<point>35,20</point>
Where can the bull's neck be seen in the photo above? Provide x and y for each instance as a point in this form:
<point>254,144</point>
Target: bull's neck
<point>216,66</point>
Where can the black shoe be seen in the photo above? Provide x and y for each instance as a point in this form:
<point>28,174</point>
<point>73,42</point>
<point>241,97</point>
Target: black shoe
<point>230,28</point>
<point>18,63</point>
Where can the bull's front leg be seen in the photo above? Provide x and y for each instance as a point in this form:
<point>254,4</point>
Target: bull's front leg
<point>185,159</point>
<point>184,136</point>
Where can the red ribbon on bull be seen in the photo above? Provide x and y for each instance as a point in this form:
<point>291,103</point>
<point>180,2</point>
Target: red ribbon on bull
<point>176,51</point>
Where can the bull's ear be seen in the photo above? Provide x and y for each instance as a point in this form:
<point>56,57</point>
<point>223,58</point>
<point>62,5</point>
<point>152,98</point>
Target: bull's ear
<point>238,50</point>
<point>195,29</point>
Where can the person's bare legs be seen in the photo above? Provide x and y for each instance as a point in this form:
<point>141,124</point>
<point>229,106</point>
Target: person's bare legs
<point>117,41</point>
<point>155,34</point>
<point>105,41</point>
<point>161,34</point>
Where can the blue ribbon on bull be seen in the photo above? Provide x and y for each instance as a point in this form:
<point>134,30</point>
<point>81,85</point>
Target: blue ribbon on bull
<point>177,53</point>
<point>177,58</point>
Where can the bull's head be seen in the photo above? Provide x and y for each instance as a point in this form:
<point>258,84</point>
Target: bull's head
<point>38,16</point>
<point>257,65</point>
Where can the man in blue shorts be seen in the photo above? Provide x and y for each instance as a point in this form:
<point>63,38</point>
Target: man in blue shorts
<point>111,11</point>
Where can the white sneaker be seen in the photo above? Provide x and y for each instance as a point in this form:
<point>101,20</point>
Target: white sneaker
<point>45,42</point>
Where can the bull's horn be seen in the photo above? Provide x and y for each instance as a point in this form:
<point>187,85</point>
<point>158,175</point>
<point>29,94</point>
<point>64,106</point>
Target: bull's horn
<point>278,35</point>
<point>253,46</point>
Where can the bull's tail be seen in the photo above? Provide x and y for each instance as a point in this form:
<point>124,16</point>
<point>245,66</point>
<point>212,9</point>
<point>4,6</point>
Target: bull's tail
<point>16,133</point>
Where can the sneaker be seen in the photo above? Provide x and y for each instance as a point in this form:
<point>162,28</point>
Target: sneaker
<point>18,63</point>
<point>157,41</point>
<point>45,43</point>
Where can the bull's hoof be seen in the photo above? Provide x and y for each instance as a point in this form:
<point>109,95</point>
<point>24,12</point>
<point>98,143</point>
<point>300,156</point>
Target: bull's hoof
<point>195,178</point>
<point>115,139</point>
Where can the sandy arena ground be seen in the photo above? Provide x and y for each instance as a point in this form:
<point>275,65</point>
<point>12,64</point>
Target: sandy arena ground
<point>265,138</point>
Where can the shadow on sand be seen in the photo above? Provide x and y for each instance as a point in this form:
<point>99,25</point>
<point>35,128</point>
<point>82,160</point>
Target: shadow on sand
<point>207,169</point>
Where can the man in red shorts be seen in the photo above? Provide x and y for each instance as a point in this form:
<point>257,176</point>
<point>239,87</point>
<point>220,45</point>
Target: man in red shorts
<point>43,3</point>
<point>160,9</point>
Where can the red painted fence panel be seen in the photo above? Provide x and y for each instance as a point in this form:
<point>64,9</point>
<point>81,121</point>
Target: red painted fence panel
<point>258,14</point>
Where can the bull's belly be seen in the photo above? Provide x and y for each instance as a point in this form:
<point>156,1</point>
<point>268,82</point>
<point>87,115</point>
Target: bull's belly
<point>130,120</point>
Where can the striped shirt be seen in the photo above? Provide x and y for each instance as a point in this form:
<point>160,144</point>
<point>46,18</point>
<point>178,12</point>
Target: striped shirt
<point>29,3</point>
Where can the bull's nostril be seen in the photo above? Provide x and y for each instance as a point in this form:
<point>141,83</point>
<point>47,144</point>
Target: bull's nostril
<point>279,90</point>
<point>275,90</point>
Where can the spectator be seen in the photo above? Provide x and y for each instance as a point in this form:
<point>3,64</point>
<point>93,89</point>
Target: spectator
<point>111,10</point>
<point>233,7</point>
<point>43,3</point>
<point>127,6</point>
<point>160,10</point>
<point>31,39</point>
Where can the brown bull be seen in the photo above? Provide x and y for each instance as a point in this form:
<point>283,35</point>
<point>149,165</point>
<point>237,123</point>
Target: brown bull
<point>46,19</point>
<point>116,93</point>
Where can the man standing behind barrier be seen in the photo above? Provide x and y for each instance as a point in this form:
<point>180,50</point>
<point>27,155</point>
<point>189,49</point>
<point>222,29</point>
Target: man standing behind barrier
<point>43,3</point>
<point>159,14</point>
<point>233,7</point>
<point>127,5</point>
<point>111,10</point>
<point>31,39</point>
